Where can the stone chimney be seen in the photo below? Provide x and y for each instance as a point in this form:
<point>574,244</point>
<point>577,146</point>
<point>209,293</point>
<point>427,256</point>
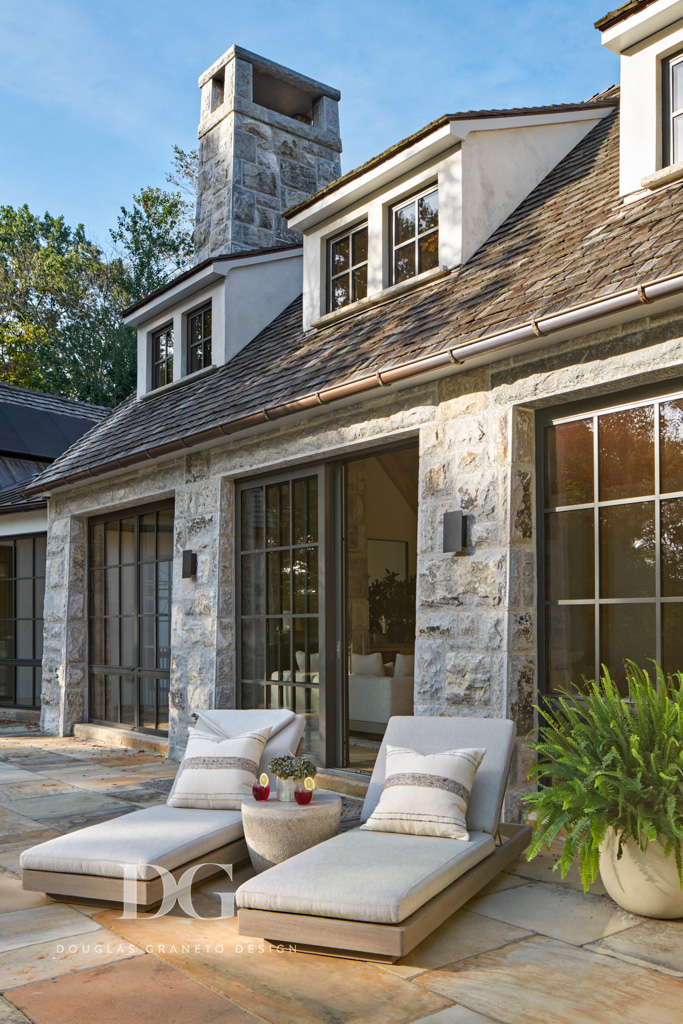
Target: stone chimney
<point>268,139</point>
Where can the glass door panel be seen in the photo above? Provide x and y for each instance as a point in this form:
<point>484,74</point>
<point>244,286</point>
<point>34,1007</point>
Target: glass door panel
<point>130,618</point>
<point>280,563</point>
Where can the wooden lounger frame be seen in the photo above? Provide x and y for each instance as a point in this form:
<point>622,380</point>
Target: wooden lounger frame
<point>385,943</point>
<point>106,888</point>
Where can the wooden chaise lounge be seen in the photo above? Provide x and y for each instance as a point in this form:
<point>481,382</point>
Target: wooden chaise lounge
<point>376,895</point>
<point>93,862</point>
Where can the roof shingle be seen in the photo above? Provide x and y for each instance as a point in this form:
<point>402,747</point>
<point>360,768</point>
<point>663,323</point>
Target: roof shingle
<point>570,241</point>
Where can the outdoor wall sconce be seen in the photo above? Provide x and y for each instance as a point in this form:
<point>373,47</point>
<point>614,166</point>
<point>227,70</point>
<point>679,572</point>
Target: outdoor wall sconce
<point>189,564</point>
<point>455,532</point>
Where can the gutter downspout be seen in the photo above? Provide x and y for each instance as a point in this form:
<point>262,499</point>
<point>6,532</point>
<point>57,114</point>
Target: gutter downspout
<point>456,356</point>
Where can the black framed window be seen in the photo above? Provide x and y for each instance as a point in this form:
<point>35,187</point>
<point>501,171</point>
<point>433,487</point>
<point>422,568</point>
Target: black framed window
<point>162,357</point>
<point>22,595</point>
<point>415,235</point>
<point>281,621</point>
<point>130,566</point>
<point>612,540</point>
<point>199,339</point>
<point>348,267</point>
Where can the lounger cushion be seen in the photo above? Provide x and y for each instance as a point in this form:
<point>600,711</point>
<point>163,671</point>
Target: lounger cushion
<point>217,774</point>
<point>159,835</point>
<point>381,877</point>
<point>426,794</point>
<point>429,735</point>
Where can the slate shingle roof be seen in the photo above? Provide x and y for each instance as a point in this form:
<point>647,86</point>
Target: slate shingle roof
<point>571,240</point>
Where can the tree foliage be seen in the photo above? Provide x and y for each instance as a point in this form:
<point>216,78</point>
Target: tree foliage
<point>62,296</point>
<point>611,762</point>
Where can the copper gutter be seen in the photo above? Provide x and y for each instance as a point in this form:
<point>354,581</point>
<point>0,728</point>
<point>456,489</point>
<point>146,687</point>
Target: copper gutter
<point>544,326</point>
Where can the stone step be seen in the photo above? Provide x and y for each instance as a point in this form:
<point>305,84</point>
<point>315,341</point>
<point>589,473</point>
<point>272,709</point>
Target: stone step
<point>348,785</point>
<point>110,737</point>
<point>19,714</point>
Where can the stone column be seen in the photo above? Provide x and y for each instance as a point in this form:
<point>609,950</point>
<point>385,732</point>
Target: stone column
<point>521,662</point>
<point>65,669</point>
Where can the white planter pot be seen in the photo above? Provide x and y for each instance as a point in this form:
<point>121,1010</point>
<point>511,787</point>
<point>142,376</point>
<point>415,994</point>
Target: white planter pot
<point>642,883</point>
<point>285,790</point>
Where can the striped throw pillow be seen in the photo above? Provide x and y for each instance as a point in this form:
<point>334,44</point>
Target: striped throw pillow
<point>426,794</point>
<point>217,774</point>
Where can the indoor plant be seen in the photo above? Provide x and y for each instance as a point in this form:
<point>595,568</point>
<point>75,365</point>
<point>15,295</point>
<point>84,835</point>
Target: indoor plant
<point>611,773</point>
<point>290,772</point>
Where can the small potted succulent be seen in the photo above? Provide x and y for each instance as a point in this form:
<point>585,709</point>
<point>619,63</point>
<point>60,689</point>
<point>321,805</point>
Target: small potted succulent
<point>294,778</point>
<point>611,774</point>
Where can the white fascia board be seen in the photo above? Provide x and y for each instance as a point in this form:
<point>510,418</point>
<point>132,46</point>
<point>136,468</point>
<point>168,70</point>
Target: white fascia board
<point>440,141</point>
<point>202,279</point>
<point>642,24</point>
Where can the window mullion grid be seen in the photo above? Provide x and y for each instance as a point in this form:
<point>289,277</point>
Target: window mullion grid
<point>596,543</point>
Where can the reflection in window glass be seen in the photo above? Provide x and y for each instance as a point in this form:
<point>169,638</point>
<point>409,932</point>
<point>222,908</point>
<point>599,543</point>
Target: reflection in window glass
<point>416,236</point>
<point>348,268</point>
<point>635,545</point>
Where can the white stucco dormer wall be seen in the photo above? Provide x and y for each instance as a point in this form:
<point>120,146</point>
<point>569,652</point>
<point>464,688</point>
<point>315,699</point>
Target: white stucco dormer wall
<point>246,292</point>
<point>643,41</point>
<point>484,168</point>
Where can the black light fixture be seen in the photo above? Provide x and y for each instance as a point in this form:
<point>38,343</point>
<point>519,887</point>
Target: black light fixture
<point>189,564</point>
<point>455,532</point>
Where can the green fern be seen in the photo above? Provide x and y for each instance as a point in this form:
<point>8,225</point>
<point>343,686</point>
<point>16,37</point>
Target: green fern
<point>613,762</point>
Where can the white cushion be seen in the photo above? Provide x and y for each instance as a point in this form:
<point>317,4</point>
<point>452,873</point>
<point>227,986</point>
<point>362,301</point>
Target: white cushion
<point>364,876</point>
<point>313,661</point>
<point>367,664</point>
<point>426,794</point>
<point>163,836</point>
<point>405,666</point>
<point>430,734</point>
<point>215,773</point>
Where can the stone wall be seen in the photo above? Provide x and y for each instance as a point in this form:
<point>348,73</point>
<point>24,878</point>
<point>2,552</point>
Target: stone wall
<point>476,613</point>
<point>255,163</point>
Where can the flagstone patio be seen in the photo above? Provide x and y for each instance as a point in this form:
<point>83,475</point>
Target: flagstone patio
<point>531,948</point>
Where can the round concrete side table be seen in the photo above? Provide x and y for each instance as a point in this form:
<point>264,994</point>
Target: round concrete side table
<point>275,831</point>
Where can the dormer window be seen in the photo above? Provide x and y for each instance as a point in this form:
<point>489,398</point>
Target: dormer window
<point>415,235</point>
<point>199,339</point>
<point>162,356</point>
<point>348,267</point>
<point>673,110</point>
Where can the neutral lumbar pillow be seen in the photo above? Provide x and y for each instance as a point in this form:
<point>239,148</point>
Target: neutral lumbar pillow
<point>405,666</point>
<point>426,794</point>
<point>367,664</point>
<point>215,773</point>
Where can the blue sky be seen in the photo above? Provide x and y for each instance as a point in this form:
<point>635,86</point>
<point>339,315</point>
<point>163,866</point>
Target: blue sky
<point>94,95</point>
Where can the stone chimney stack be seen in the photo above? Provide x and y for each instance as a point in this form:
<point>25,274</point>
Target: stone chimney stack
<point>268,139</point>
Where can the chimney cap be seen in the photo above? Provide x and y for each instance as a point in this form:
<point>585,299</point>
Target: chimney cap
<point>269,67</point>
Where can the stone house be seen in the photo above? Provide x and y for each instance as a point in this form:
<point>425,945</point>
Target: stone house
<point>408,438</point>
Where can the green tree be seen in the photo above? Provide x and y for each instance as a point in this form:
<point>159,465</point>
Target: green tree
<point>62,297</point>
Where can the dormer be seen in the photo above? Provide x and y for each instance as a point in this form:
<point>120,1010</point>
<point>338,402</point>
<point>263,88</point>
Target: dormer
<point>648,36</point>
<point>202,319</point>
<point>423,207</point>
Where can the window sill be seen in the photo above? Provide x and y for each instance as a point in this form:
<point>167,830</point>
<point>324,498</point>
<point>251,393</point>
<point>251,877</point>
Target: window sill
<point>664,177</point>
<point>188,379</point>
<point>354,308</point>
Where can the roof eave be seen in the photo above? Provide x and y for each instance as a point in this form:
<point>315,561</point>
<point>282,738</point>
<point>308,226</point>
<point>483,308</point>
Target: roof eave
<point>574,321</point>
